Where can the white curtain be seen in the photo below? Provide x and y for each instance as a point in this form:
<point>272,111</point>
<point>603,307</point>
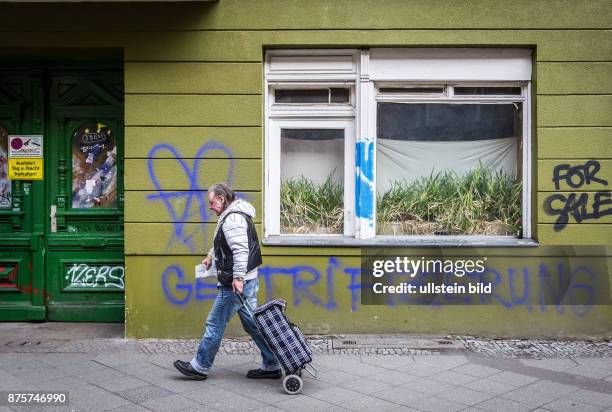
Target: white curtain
<point>410,160</point>
<point>313,159</point>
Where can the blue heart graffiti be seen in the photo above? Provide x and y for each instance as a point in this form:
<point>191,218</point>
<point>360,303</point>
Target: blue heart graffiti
<point>194,193</point>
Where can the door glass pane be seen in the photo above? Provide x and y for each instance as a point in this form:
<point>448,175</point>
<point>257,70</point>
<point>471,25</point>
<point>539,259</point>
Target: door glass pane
<point>94,169</point>
<point>448,169</point>
<point>312,176</point>
<point>5,183</point>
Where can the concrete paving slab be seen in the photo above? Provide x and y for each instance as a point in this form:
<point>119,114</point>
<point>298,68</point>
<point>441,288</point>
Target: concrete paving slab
<point>98,377</point>
<point>132,367</point>
<point>117,359</point>
<point>453,378</point>
<point>68,383</point>
<point>595,362</point>
<point>268,408</point>
<point>512,378</point>
<point>120,384</point>
<point>489,387</point>
<point>566,405</point>
<point>148,373</point>
<point>272,392</point>
<point>442,361</point>
<point>478,371</point>
<point>530,396</point>
<point>366,386</point>
<point>420,369</point>
<point>82,365</point>
<point>555,364</point>
<point>237,403</point>
<point>132,407</point>
<point>60,359</point>
<point>360,369</point>
<point>171,403</point>
<point>337,395</point>
<point>428,386</point>
<point>95,399</point>
<point>551,388</point>
<point>145,393</point>
<point>387,362</point>
<point>306,404</point>
<point>603,400</point>
<point>465,396</point>
<point>505,405</point>
<point>393,377</point>
<point>370,403</point>
<point>433,404</point>
<point>401,395</point>
<point>207,393</point>
<point>336,377</point>
<point>589,372</point>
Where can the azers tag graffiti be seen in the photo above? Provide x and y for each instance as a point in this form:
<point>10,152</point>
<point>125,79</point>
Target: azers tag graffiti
<point>81,275</point>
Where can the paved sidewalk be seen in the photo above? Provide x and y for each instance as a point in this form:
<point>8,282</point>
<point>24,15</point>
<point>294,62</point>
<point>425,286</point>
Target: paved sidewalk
<point>432,379</point>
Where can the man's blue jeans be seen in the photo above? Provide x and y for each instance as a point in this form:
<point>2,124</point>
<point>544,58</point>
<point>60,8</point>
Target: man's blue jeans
<point>226,304</point>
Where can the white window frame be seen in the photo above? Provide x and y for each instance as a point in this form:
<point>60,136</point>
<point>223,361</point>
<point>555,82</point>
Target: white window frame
<point>365,72</point>
<point>306,69</point>
<point>274,179</point>
<point>448,97</point>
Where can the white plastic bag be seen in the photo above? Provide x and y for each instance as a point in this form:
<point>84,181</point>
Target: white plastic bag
<point>202,272</point>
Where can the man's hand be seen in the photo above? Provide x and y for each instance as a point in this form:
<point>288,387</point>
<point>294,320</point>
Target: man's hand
<point>207,261</point>
<point>237,285</point>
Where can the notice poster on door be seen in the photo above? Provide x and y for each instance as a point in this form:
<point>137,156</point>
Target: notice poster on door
<point>5,182</point>
<point>25,157</point>
<point>94,168</point>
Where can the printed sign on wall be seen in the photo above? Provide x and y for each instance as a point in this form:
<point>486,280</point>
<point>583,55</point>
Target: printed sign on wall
<point>25,157</point>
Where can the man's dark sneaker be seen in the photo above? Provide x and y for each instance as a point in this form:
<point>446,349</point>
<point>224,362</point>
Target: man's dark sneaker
<point>262,374</point>
<point>186,369</point>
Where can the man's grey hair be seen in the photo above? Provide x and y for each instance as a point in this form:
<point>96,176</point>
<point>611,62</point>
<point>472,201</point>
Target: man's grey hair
<point>222,189</point>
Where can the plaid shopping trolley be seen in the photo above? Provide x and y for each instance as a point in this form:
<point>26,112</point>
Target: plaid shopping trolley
<point>286,341</point>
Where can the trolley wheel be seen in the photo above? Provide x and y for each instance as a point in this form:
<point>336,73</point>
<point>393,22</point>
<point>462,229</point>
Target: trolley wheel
<point>292,384</point>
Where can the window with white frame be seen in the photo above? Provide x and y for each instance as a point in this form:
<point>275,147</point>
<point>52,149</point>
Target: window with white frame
<point>398,142</point>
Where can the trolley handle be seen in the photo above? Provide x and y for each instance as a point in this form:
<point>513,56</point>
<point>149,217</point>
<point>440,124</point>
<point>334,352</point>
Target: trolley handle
<point>248,308</point>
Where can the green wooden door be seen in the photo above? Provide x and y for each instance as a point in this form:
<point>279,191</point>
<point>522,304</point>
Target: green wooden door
<point>61,257</point>
<point>84,234</point>
<point>22,289</point>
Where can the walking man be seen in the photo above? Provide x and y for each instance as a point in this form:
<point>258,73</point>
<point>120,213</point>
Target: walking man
<point>236,256</point>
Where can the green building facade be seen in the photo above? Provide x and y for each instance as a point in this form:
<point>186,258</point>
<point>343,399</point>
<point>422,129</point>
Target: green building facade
<point>143,105</point>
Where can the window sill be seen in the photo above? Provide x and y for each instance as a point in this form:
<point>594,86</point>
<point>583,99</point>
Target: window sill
<point>399,241</point>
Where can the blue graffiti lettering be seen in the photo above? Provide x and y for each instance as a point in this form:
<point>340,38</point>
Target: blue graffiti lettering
<point>185,289</point>
<point>512,289</point>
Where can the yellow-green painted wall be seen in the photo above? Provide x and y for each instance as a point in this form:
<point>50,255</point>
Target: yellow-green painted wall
<point>193,76</point>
